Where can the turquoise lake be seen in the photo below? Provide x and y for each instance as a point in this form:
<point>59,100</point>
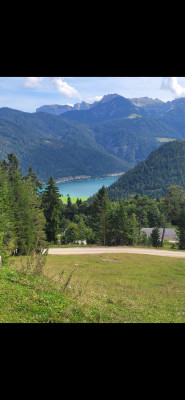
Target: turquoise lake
<point>85,187</point>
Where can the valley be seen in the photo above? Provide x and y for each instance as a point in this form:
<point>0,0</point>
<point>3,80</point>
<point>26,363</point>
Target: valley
<point>110,136</point>
<point>92,201</point>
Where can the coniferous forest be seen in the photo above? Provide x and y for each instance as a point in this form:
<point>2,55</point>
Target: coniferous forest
<point>32,218</point>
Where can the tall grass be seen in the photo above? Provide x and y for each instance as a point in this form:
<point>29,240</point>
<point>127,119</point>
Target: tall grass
<point>104,288</point>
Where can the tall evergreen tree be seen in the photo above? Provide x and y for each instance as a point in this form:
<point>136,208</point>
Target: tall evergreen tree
<point>172,203</point>
<point>33,176</point>
<point>24,216</point>
<point>52,209</point>
<point>6,231</point>
<point>155,237</point>
<point>36,214</point>
<point>100,215</point>
<point>181,227</point>
<point>69,210</point>
<point>123,225</point>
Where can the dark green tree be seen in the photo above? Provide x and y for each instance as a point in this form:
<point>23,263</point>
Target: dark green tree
<point>25,209</point>
<point>6,229</point>
<point>155,237</point>
<point>122,229</point>
<point>181,227</point>
<point>172,203</point>
<point>100,216</point>
<point>51,204</point>
<point>33,176</point>
<point>70,209</point>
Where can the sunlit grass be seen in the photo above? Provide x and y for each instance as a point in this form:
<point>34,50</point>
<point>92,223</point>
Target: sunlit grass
<point>125,287</point>
<point>103,288</point>
<point>73,199</point>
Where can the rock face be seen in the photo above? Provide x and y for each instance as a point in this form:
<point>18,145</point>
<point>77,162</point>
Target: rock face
<point>57,109</point>
<point>54,109</point>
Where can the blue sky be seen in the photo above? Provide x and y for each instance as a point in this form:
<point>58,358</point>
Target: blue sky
<point>28,93</point>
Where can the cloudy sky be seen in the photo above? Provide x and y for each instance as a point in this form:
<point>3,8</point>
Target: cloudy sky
<point>28,93</point>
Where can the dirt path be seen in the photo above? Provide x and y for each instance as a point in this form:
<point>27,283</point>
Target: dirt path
<point>113,250</point>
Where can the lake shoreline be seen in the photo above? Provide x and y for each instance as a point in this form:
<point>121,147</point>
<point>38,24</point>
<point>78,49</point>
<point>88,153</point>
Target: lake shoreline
<point>83,177</point>
<point>85,187</point>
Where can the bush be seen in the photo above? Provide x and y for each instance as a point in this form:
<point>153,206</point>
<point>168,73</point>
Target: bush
<point>155,237</point>
<point>143,239</point>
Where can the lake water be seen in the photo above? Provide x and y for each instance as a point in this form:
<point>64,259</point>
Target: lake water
<point>85,187</point>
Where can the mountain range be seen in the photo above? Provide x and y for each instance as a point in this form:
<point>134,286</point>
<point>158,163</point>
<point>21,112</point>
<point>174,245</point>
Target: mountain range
<point>109,136</point>
<point>56,109</point>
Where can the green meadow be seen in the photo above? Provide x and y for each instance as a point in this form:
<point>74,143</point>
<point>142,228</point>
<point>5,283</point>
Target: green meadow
<point>73,199</point>
<point>104,288</point>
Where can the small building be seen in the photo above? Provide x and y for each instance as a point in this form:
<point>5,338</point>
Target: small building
<point>169,233</point>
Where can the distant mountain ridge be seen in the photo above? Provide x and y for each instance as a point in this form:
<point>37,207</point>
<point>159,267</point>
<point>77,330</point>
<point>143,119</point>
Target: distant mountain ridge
<point>108,136</point>
<point>57,109</point>
<point>113,106</point>
<point>144,101</point>
<point>135,105</point>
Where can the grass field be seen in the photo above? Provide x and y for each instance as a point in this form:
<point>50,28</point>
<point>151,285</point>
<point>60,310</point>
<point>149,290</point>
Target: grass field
<point>73,199</point>
<point>119,288</point>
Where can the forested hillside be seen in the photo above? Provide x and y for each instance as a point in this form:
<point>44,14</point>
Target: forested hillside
<point>132,139</point>
<point>112,135</point>
<point>163,168</point>
<point>53,146</point>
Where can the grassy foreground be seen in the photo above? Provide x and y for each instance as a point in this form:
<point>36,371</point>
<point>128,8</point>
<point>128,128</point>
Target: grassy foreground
<point>119,288</point>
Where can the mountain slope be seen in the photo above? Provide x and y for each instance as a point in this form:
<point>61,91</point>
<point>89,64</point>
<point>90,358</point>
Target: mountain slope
<point>108,108</point>
<point>53,146</point>
<point>132,139</point>
<point>164,167</point>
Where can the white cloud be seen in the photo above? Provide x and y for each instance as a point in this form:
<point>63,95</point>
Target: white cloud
<point>33,81</point>
<point>57,83</point>
<point>170,83</point>
<point>93,99</point>
<point>65,89</point>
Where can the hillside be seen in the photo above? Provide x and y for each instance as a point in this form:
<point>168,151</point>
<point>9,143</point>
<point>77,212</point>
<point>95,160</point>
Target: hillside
<point>53,146</point>
<point>164,167</point>
<point>108,136</point>
<point>133,139</point>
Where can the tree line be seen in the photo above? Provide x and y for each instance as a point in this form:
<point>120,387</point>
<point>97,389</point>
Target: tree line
<point>31,217</point>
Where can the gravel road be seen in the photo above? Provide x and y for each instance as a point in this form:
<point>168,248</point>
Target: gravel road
<point>113,250</point>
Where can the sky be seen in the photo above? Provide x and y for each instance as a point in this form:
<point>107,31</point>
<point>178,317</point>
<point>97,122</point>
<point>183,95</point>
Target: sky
<point>28,93</point>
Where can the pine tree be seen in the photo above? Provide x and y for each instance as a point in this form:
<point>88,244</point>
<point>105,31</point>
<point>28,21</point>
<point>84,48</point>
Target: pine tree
<point>181,228</point>
<point>24,209</point>
<point>172,202</point>
<point>6,231</point>
<point>26,214</point>
<point>69,210</point>
<point>113,235</point>
<point>52,209</point>
<point>124,228</point>
<point>33,176</point>
<point>36,215</point>
<point>100,215</point>
<point>155,237</point>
